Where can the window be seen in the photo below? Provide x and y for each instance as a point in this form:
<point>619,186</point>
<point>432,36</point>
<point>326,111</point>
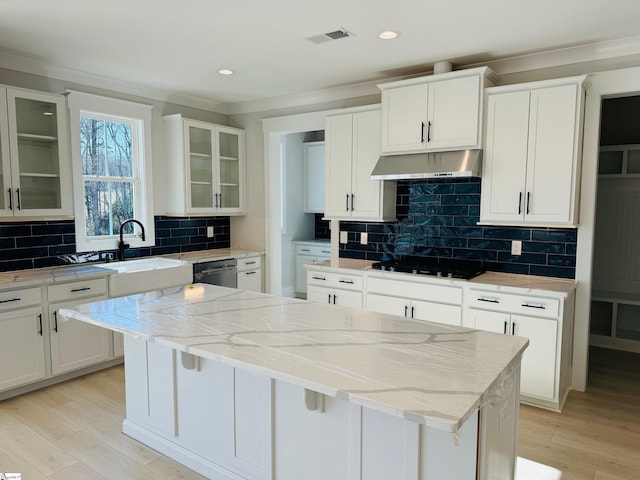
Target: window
<point>111,170</point>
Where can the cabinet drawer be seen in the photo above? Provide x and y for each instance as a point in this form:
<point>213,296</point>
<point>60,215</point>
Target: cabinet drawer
<point>249,263</point>
<point>515,304</point>
<point>20,298</point>
<point>315,250</point>
<point>334,280</point>
<point>429,292</point>
<point>81,289</point>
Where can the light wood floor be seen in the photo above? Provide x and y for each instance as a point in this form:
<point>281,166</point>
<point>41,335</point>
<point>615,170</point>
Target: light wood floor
<point>71,431</point>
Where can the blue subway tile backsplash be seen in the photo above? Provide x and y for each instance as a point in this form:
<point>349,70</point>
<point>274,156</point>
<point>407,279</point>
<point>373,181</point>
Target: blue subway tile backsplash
<point>438,218</point>
<point>51,243</point>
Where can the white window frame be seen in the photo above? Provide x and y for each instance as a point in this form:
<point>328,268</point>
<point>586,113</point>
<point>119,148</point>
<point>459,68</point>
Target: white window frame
<point>113,109</point>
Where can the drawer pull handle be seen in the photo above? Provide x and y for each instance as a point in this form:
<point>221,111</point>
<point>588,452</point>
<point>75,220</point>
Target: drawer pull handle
<point>319,278</point>
<point>513,329</point>
<point>55,321</point>
<point>406,309</point>
<point>250,263</point>
<point>350,282</point>
<point>40,320</point>
<point>489,300</point>
<point>334,299</point>
<point>251,273</point>
<point>305,250</point>
<point>83,289</point>
<point>540,307</point>
<point>413,311</point>
<point>17,299</point>
<point>326,251</point>
<point>505,327</point>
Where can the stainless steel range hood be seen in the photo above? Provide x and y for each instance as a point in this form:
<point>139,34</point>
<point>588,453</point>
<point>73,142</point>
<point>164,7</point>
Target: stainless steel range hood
<point>463,163</point>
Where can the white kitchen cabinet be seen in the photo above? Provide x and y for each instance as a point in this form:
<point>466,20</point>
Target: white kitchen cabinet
<point>532,158</point>
<point>206,168</point>
<point>415,298</point>
<point>352,149</point>
<point>332,288</point>
<point>313,177</point>
<point>545,321</point>
<point>35,166</point>
<point>250,273</point>
<point>435,113</point>
<point>76,344</point>
<point>22,335</point>
<point>308,253</point>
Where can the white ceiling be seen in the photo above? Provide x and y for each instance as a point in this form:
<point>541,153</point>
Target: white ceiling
<point>177,46</point>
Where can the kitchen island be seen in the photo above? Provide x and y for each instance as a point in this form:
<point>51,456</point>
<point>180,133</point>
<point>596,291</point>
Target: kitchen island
<point>240,385</point>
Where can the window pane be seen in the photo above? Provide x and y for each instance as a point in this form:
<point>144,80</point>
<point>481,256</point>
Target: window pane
<point>96,201</point>
<point>119,149</point>
<point>107,205</point>
<point>92,146</point>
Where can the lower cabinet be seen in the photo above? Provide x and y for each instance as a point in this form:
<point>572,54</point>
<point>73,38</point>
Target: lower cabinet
<point>76,344</point>
<point>415,299</point>
<point>340,289</point>
<point>250,274</point>
<point>21,345</point>
<point>547,323</point>
<point>308,253</point>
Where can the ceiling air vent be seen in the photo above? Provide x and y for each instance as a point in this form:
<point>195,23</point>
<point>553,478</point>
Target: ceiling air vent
<point>327,37</point>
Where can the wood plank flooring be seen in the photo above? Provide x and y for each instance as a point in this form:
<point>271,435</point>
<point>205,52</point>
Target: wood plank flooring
<point>72,431</point>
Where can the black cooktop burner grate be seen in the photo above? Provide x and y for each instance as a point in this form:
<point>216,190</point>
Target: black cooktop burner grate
<point>435,266</point>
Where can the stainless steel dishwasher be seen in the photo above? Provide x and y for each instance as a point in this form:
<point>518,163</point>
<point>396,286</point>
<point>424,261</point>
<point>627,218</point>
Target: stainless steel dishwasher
<point>217,272</point>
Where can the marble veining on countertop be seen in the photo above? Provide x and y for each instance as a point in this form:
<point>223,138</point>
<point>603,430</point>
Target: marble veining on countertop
<point>524,283</point>
<point>429,373</point>
<point>40,276</point>
<point>343,263</point>
<point>200,256</point>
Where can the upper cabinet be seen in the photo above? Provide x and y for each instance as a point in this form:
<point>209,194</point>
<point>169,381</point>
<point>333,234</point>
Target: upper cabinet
<point>436,113</point>
<point>352,143</point>
<point>532,153</point>
<point>206,168</point>
<point>35,167</point>
<point>314,177</point>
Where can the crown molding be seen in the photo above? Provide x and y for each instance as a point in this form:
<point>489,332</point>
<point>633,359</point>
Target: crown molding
<point>591,54</point>
<point>36,67</point>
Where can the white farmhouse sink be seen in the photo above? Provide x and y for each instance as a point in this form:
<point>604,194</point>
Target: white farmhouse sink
<point>147,274</point>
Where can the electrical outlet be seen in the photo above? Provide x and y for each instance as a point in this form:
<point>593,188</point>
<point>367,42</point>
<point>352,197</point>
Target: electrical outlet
<point>364,238</point>
<point>516,247</point>
<point>343,237</point>
<point>209,232</point>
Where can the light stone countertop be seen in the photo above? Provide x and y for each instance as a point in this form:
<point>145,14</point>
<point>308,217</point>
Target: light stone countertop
<point>40,276</point>
<point>200,256</point>
<point>341,264</point>
<point>429,373</point>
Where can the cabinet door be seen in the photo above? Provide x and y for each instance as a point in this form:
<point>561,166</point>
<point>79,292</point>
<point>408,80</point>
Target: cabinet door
<point>38,148</point>
<point>5,164</point>
<point>454,113</point>
<point>367,193</point>
<point>76,344</point>
<point>230,144</point>
<point>314,177</point>
<point>404,117</point>
<point>250,280</point>
<point>301,271</point>
<point>505,165</point>
<point>339,150</point>
<point>552,154</point>
<point>538,377</point>
<point>200,170</point>
<point>436,312</point>
<point>21,347</point>
<point>496,322</point>
<point>388,305</point>
<point>347,299</point>
<point>317,294</point>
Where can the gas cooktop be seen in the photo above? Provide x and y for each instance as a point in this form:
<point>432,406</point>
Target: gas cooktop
<point>435,266</point>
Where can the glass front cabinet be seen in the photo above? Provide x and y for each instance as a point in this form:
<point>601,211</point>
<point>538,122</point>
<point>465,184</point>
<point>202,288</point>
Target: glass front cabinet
<point>206,168</point>
<point>35,174</point>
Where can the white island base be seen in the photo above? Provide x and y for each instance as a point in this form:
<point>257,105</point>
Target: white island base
<point>227,423</point>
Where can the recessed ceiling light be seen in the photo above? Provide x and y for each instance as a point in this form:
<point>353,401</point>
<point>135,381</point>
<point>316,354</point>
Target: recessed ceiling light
<point>388,35</point>
<point>225,71</point>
